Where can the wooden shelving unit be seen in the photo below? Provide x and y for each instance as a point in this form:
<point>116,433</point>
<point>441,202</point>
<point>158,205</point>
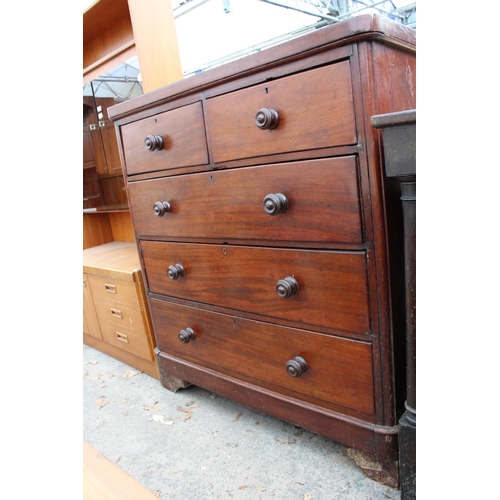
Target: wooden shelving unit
<point>111,36</point>
<point>108,37</point>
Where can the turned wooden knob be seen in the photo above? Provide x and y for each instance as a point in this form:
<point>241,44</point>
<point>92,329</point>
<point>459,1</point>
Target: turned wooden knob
<point>175,272</point>
<point>275,204</point>
<point>161,208</point>
<point>267,119</point>
<point>296,366</point>
<point>185,336</point>
<point>287,287</point>
<point>153,142</point>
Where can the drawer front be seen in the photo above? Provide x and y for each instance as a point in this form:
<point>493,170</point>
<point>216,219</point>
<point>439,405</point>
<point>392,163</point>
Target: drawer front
<point>121,316</point>
<point>184,144</point>
<point>321,203</point>
<point>315,110</point>
<point>331,291</point>
<point>128,340</point>
<point>119,292</point>
<point>339,371</point>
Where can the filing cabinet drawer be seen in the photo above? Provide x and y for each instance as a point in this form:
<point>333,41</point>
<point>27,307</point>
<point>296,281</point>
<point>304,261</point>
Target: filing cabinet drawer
<point>120,292</point>
<point>121,316</point>
<point>315,110</point>
<point>330,288</point>
<point>182,131</point>
<point>338,371</point>
<point>312,201</point>
<point>129,340</point>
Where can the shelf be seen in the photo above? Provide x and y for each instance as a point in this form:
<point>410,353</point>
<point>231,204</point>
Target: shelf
<point>101,16</point>
<point>106,210</point>
<point>108,37</point>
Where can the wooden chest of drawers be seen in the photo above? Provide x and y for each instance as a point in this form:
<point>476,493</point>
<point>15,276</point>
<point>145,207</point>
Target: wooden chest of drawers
<point>116,315</point>
<point>261,212</point>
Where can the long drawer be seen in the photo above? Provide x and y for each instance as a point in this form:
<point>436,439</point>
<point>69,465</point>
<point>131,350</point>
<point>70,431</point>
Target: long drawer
<point>121,316</point>
<point>121,292</point>
<point>183,142</point>
<point>130,340</point>
<point>308,201</point>
<point>330,288</point>
<point>336,371</point>
<point>315,110</point>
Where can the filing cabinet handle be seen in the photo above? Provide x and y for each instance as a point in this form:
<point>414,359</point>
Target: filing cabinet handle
<point>122,337</point>
<point>185,336</point>
<point>267,119</point>
<point>109,288</point>
<point>116,313</point>
<point>160,208</point>
<point>296,367</point>
<point>287,287</point>
<point>275,203</point>
<point>175,272</point>
<point>153,142</point>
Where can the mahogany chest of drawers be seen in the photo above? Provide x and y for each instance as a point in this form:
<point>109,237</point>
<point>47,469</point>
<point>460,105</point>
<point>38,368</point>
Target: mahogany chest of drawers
<point>261,214</point>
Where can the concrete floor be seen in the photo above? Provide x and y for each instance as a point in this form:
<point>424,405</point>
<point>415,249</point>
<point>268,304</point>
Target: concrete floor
<point>196,445</point>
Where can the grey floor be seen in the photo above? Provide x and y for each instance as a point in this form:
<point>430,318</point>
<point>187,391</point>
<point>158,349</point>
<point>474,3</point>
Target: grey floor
<point>196,445</point>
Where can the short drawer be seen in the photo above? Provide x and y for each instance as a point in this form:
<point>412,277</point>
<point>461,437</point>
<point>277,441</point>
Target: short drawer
<point>306,201</point>
<point>182,133</point>
<point>119,292</point>
<point>319,288</point>
<point>315,110</point>
<point>337,371</point>
<point>121,316</point>
<point>129,340</point>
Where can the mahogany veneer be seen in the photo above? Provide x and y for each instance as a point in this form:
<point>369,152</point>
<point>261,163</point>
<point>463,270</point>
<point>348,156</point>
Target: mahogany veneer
<point>261,213</point>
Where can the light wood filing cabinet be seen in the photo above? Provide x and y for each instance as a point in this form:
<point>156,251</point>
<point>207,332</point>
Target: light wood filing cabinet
<point>258,201</point>
<point>116,316</point>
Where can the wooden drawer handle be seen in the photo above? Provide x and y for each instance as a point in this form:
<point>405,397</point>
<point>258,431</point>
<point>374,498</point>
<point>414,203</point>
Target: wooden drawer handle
<point>160,208</point>
<point>116,313</point>
<point>109,288</point>
<point>296,366</point>
<point>122,337</point>
<point>275,203</point>
<point>287,287</point>
<point>153,142</point>
<point>267,119</point>
<point>186,336</point>
<point>175,272</point>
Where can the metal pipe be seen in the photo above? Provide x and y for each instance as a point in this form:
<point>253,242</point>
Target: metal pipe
<point>187,6</point>
<point>257,48</point>
<point>331,19</point>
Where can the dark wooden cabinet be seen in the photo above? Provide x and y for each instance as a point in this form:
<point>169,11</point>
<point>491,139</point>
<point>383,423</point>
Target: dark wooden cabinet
<point>260,208</point>
<point>399,131</point>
